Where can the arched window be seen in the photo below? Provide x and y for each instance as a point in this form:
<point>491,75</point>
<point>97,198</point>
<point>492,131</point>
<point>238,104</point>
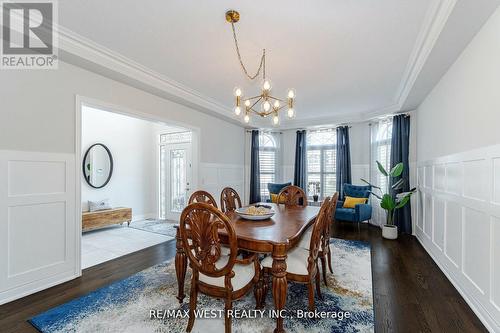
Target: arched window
<point>268,148</point>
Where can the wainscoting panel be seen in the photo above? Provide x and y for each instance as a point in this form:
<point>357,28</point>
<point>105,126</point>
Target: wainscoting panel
<point>214,177</point>
<point>38,223</point>
<point>458,223</point>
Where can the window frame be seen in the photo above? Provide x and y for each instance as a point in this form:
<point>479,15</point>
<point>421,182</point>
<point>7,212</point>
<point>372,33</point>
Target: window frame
<point>322,173</point>
<point>264,193</point>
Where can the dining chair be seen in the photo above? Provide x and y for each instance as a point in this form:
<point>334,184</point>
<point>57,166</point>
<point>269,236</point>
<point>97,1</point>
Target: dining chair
<point>202,196</point>
<point>324,253</point>
<point>214,274</point>
<point>229,200</point>
<point>292,195</point>
<point>302,264</point>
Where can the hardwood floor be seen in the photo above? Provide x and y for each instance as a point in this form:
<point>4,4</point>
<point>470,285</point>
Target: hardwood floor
<point>411,294</point>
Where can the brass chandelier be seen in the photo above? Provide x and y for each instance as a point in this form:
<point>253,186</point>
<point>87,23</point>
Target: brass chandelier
<point>264,104</point>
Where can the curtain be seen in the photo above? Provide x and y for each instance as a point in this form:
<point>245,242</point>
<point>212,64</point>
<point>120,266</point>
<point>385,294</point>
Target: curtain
<point>380,144</point>
<point>254,169</point>
<point>400,147</point>
<point>300,173</point>
<point>343,159</point>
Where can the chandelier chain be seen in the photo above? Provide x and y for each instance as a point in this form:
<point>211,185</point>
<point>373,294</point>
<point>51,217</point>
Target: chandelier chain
<point>262,65</point>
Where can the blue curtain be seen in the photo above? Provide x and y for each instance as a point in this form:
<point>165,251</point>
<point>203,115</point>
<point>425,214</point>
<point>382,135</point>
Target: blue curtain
<point>343,159</point>
<point>400,147</point>
<point>255,169</point>
<point>299,177</point>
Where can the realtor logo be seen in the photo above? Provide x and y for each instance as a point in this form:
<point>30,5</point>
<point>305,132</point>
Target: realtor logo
<point>28,38</point>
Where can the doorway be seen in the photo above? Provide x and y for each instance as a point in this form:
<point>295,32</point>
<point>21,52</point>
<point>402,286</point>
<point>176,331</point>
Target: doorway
<point>154,167</point>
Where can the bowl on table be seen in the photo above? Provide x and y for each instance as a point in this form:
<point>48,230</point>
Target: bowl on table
<point>255,213</point>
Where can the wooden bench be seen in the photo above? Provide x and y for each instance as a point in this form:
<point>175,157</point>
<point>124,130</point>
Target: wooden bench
<point>103,218</point>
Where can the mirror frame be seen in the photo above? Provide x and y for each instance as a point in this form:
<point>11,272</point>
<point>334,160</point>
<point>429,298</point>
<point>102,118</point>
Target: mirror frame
<point>110,168</point>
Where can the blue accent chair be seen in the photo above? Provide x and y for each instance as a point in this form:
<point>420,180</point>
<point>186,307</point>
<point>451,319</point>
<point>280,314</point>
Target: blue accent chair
<point>361,212</point>
<point>275,188</point>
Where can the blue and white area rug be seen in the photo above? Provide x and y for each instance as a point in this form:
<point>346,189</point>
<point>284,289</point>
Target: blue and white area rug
<point>144,303</point>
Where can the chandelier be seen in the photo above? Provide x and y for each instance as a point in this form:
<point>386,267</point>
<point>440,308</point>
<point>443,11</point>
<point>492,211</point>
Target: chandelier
<point>264,104</point>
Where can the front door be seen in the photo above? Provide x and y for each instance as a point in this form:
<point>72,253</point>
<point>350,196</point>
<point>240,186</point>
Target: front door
<point>175,179</point>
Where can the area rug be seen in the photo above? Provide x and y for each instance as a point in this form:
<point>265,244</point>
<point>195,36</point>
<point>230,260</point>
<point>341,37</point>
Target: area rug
<point>163,227</point>
<point>145,302</point>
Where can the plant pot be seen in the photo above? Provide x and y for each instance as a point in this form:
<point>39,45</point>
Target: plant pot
<point>390,231</point>
<point>315,198</point>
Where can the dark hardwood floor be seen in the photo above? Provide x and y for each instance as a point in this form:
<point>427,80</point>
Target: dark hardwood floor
<point>411,294</point>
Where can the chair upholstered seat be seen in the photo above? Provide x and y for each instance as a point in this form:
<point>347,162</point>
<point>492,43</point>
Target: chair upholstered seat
<point>345,214</point>
<point>243,274</point>
<point>296,261</point>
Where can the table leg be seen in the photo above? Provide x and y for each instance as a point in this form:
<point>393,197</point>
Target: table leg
<point>279,283</point>
<point>180,266</point>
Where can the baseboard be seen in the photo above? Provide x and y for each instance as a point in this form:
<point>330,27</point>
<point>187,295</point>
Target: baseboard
<point>475,306</point>
<point>36,286</point>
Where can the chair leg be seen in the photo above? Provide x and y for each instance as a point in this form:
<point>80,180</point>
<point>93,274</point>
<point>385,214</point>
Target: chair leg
<point>193,299</point>
<point>323,267</point>
<point>227,321</point>
<point>310,288</point>
<point>318,286</point>
<point>329,255</point>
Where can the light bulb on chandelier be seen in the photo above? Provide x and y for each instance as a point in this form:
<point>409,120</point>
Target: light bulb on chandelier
<point>266,106</point>
<point>291,113</point>
<point>237,110</point>
<point>246,119</point>
<point>276,119</point>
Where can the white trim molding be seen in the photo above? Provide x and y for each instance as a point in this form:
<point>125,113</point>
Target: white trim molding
<point>458,223</point>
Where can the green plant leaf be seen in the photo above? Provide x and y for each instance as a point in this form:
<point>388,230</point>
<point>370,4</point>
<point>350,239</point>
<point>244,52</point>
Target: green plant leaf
<point>397,170</point>
<point>387,202</point>
<point>403,201</point>
<point>367,182</point>
<point>381,168</point>
<point>399,184</point>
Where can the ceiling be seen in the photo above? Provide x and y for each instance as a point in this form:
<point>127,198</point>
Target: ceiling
<point>347,60</point>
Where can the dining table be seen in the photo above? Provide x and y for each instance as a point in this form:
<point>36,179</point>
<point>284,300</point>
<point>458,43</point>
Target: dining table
<point>275,236</point>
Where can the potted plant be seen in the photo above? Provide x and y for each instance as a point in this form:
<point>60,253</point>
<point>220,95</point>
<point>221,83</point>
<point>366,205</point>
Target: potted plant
<point>314,189</point>
<point>389,200</point>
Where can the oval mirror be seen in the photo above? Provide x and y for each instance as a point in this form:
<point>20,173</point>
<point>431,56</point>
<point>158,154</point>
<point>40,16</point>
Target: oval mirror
<point>97,165</point>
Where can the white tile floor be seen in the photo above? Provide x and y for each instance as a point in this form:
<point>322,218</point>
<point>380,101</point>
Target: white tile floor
<point>109,243</point>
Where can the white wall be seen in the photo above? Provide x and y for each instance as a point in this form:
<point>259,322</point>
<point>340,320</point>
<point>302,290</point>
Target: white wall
<point>133,144</point>
<point>38,114</point>
<point>459,171</point>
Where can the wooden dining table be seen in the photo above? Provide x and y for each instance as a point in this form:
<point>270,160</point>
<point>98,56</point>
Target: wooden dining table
<point>275,236</point>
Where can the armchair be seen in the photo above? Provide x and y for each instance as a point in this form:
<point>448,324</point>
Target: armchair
<point>360,212</point>
<point>275,188</point>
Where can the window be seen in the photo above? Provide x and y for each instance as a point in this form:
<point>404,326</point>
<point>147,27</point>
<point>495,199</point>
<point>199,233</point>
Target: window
<point>382,150</point>
<point>321,162</point>
<point>268,149</point>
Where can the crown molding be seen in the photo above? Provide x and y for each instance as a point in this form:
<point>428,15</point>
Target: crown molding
<point>75,46</point>
<point>435,20</point>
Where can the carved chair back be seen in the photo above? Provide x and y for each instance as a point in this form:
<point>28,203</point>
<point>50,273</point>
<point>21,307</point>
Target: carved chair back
<point>204,197</point>
<point>229,200</point>
<point>200,223</point>
<point>292,195</point>
<point>318,234</point>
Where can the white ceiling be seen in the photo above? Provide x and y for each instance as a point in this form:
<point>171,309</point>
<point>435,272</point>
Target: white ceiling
<point>346,59</point>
